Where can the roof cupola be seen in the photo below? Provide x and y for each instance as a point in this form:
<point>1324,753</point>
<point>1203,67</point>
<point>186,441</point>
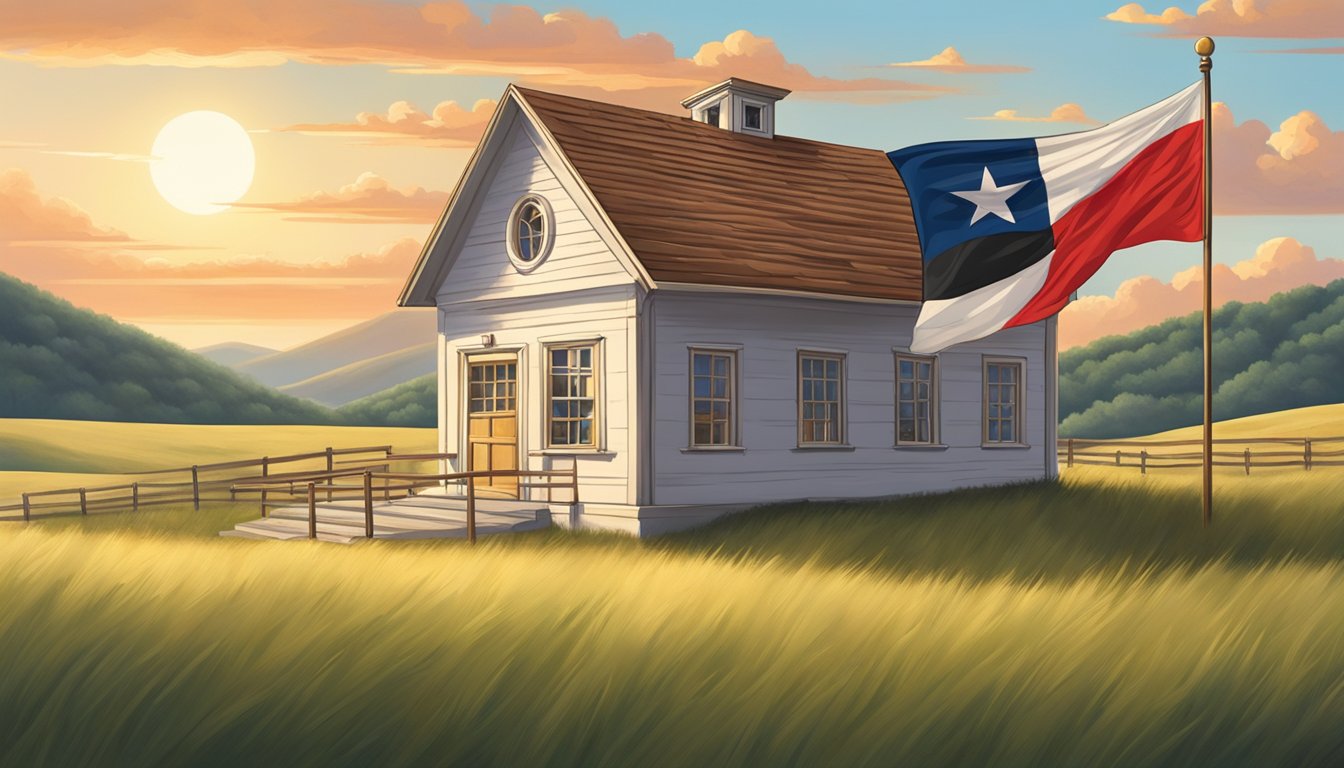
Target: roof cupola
<point>737,105</point>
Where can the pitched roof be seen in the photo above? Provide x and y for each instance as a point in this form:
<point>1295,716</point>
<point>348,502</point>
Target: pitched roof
<point>699,204</point>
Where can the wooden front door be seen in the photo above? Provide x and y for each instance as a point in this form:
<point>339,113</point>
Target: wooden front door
<point>492,421</point>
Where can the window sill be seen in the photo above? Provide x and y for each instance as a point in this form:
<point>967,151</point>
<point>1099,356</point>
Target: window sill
<point>1005,446</point>
<point>822,447</point>
<point>570,452</point>
<point>714,449</point>
<point>921,447</point>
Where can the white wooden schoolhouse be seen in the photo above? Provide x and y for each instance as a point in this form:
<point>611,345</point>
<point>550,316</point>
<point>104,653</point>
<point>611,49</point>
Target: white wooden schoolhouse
<point>705,315</point>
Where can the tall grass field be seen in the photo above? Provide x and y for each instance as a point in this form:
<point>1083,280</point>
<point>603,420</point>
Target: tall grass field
<point>1092,621</point>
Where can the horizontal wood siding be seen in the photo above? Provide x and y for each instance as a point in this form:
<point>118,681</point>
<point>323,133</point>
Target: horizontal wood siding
<point>530,323</point>
<point>771,330</point>
<point>578,259</point>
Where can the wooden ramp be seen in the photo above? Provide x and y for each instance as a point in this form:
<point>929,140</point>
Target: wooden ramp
<point>415,517</point>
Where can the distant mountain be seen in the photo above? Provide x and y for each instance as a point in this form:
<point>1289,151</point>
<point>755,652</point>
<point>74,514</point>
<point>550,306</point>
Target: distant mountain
<point>61,362</point>
<point>412,404</point>
<point>1287,352</point>
<point>233,353</point>
<point>366,377</point>
<point>385,334</point>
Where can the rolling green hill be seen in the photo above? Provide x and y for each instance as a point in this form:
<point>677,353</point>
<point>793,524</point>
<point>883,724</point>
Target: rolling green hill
<point>59,361</point>
<point>410,404</point>
<point>1287,352</point>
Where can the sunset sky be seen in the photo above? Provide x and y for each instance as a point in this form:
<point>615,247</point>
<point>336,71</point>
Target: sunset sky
<point>362,114</point>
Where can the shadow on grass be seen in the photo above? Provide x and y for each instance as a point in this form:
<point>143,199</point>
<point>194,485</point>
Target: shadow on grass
<point>1031,532</point>
<point>1037,531</point>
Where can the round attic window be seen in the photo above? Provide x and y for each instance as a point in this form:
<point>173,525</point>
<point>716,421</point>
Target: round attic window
<point>531,232</point>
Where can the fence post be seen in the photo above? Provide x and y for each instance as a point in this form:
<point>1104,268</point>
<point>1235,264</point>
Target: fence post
<point>312,511</point>
<point>1070,453</point>
<point>1143,462</point>
<point>1248,461</point>
<point>135,497</point>
<point>265,472</point>
<point>574,479</point>
<point>27,512</point>
<point>83,503</point>
<point>1306,454</point>
<point>195,488</point>
<point>1117,458</point>
<point>368,504</point>
<point>330,467</point>
<point>471,508</point>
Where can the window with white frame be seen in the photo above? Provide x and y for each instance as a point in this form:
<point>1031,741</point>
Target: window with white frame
<point>571,394</point>
<point>1003,402</point>
<point>531,232</point>
<point>916,409</point>
<point>713,398</point>
<point>821,398</point>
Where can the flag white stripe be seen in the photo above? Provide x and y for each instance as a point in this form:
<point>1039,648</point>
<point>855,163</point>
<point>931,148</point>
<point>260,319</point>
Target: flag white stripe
<point>1074,165</point>
<point>971,316</point>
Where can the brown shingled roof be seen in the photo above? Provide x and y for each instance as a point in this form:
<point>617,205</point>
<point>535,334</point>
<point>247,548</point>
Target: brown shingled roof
<point>699,204</point>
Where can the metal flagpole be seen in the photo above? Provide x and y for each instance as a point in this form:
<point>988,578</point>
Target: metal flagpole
<point>1204,47</point>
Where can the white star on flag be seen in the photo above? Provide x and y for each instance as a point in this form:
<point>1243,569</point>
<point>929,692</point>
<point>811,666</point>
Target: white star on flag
<point>991,198</point>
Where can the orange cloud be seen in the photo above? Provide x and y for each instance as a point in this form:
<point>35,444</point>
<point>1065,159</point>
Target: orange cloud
<point>950,60</point>
<point>1133,13</point>
<point>25,216</point>
<point>1279,265</point>
<point>566,48</point>
<point>56,245</point>
<point>124,285</point>
<point>1244,18</point>
<point>1296,169</point>
<point>1064,113</point>
<point>449,125</point>
<point>370,198</point>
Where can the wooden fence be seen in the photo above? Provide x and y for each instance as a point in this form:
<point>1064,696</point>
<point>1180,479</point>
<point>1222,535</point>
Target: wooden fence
<point>202,482</point>
<point>1262,452</point>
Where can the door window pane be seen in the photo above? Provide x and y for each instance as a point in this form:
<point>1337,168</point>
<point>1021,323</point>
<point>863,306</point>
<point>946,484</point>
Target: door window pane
<point>491,387</point>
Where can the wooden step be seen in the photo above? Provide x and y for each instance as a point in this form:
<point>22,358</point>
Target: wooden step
<point>343,522</point>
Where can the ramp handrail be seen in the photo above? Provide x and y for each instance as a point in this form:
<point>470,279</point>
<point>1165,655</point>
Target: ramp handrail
<point>412,480</point>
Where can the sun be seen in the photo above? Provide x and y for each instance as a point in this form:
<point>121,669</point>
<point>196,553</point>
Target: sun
<point>203,160</point>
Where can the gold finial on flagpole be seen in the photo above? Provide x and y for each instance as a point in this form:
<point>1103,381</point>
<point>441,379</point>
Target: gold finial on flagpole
<point>1204,47</point>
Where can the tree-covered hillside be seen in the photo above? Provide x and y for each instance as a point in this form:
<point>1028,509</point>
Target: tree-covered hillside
<point>61,362</point>
<point>406,405</point>
<point>1287,352</point>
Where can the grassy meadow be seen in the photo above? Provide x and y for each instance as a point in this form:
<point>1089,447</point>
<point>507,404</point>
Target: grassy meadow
<point>1314,421</point>
<point>1092,621</point>
<point>43,454</point>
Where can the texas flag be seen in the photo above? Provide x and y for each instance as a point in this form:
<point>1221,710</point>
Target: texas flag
<point>1010,228</point>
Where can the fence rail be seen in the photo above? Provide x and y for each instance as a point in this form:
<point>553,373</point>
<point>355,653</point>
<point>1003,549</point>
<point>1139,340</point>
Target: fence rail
<point>194,484</point>
<point>1305,452</point>
<point>373,467</point>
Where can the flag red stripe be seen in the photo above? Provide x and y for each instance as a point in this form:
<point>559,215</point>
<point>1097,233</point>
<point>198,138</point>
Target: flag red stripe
<point>1156,196</point>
